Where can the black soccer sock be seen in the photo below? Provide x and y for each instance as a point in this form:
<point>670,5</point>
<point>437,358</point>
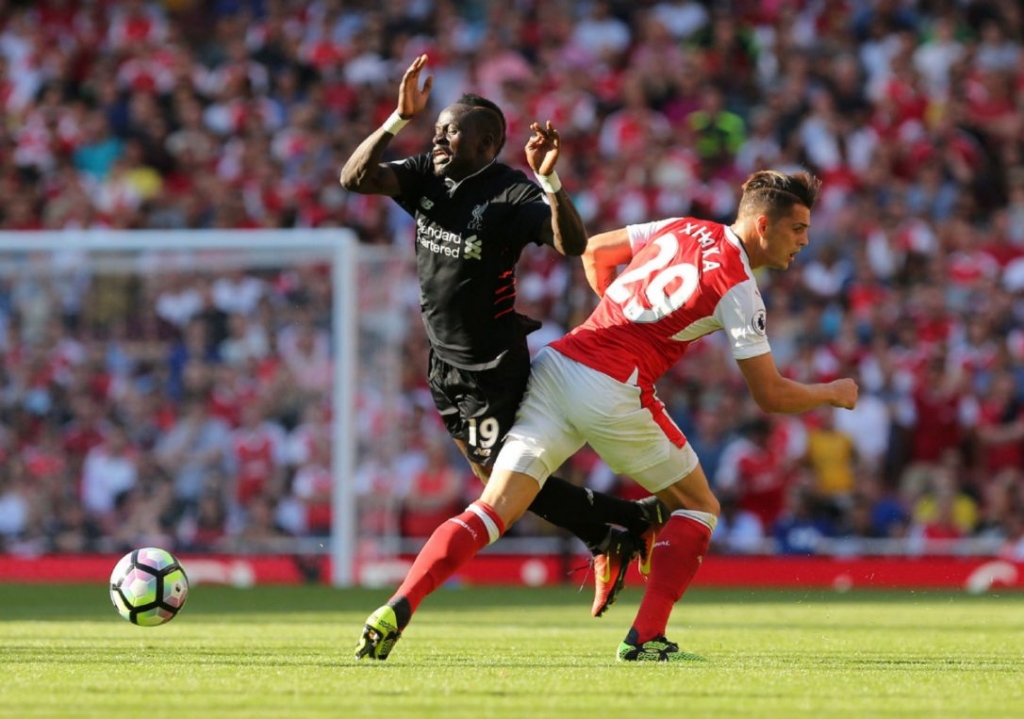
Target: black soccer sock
<point>403,612</point>
<point>586,513</point>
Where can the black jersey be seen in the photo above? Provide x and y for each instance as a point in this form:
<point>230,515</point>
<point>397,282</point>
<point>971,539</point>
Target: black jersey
<point>469,237</point>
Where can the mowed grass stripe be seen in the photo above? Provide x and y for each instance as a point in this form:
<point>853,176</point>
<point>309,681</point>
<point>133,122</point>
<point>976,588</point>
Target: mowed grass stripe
<point>286,651</point>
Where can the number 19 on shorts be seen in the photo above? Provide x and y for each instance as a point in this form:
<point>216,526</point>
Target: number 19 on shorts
<point>485,434</point>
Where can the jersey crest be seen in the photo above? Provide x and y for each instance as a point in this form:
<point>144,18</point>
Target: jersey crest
<point>478,216</point>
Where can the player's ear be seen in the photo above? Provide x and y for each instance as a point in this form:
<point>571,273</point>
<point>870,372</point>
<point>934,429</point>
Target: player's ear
<point>489,143</point>
<point>762,225</point>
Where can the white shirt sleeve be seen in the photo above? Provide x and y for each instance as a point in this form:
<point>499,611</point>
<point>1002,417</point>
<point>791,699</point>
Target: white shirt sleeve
<point>641,235</point>
<point>742,315</point>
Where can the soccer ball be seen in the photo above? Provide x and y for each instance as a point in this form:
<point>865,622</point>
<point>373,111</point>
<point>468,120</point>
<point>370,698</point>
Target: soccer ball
<point>148,587</point>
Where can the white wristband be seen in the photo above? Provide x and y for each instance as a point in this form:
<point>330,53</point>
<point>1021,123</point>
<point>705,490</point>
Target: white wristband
<point>549,183</point>
<point>394,123</point>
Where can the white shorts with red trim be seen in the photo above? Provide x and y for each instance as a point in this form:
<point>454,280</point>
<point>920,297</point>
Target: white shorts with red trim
<point>568,404</point>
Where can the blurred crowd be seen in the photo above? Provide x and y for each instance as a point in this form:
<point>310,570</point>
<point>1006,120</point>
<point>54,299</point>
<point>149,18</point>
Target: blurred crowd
<point>190,406</point>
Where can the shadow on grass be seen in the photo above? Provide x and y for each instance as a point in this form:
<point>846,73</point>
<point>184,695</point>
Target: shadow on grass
<point>78,602</point>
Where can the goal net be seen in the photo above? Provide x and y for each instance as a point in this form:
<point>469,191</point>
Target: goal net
<point>196,389</point>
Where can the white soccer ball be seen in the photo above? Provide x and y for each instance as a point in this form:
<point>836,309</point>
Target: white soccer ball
<point>148,586</point>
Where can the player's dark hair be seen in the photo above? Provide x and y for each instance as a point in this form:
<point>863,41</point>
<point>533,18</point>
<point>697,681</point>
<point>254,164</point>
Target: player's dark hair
<point>492,121</point>
<point>774,193</point>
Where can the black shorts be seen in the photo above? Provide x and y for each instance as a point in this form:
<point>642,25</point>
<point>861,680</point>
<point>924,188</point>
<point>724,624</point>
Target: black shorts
<point>479,407</point>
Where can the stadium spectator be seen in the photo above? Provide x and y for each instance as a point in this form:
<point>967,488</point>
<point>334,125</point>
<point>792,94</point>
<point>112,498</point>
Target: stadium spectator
<point>1000,429</point>
<point>306,351</point>
<point>803,525</point>
<point>205,528</point>
<point>738,531</point>
<point>831,457</point>
<point>311,487</point>
<point>711,434</point>
<point>110,470</point>
<point>754,472</point>
<point>600,34</point>
<point>192,449</point>
<point>717,133</point>
<point>943,511</point>
<point>18,505</point>
<point>257,455</point>
<point>435,492</point>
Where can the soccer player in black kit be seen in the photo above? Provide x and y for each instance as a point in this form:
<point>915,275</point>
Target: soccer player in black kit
<point>474,215</point>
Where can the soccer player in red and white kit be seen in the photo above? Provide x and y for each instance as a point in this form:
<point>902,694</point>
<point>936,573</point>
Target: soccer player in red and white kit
<point>685,278</point>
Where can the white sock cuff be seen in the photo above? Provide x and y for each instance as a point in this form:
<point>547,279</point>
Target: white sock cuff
<point>492,529</point>
<point>706,518</point>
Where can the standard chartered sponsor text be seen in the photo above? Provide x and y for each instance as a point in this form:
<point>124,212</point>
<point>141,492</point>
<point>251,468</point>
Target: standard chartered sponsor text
<point>439,240</point>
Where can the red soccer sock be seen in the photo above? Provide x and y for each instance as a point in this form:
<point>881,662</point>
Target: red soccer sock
<point>677,556</point>
<point>451,545</point>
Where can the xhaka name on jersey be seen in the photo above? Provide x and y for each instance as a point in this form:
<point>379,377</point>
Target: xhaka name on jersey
<point>706,242</point>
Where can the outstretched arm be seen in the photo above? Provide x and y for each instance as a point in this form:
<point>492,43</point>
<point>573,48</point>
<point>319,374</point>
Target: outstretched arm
<point>777,394</point>
<point>566,233</point>
<point>604,254</point>
<point>363,171</point>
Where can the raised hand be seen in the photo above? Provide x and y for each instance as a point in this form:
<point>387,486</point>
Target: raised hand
<point>542,148</point>
<point>412,99</point>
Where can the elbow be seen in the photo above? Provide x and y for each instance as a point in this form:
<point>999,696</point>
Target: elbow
<point>769,402</point>
<point>356,179</point>
<point>349,180</point>
<point>576,248</point>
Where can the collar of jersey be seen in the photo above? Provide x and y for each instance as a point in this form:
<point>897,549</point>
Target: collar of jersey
<point>734,239</point>
<point>452,185</point>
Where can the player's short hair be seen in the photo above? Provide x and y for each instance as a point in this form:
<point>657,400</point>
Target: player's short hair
<point>492,120</point>
<point>774,194</point>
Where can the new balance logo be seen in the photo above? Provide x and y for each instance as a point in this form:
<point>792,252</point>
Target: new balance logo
<point>473,248</point>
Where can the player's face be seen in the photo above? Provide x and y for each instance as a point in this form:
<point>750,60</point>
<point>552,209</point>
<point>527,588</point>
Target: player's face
<point>460,148</point>
<point>786,236</point>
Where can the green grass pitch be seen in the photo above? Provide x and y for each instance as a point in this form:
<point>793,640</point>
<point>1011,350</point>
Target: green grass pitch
<point>286,652</point>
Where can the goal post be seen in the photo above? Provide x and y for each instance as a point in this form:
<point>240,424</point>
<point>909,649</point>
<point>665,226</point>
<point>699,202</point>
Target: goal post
<point>344,524</point>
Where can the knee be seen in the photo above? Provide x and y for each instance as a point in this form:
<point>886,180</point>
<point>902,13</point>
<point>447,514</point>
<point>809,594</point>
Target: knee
<point>705,501</point>
<point>482,473</point>
<point>684,497</point>
<point>711,505</point>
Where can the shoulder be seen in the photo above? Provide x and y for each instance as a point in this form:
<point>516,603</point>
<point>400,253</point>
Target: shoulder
<point>417,167</point>
<point>508,174</point>
<point>694,236</point>
<point>514,183</point>
<point>415,177</point>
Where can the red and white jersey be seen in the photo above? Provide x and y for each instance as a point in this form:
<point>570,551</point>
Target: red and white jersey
<point>687,278</point>
<point>257,452</point>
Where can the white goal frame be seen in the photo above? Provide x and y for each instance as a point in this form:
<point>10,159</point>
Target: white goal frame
<point>340,247</point>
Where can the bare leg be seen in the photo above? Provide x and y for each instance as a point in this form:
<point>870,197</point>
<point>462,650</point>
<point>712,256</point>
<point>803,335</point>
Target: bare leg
<point>581,512</point>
